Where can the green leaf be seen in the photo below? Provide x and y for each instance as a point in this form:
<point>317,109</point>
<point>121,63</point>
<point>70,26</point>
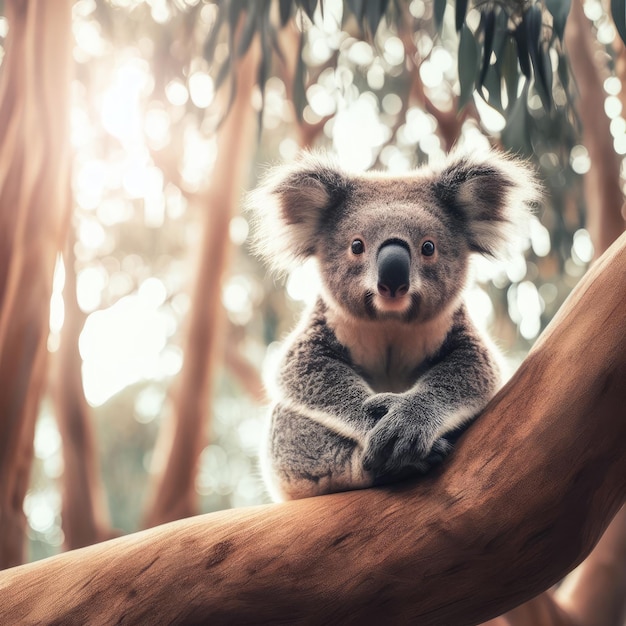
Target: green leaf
<point>223,73</point>
<point>308,6</point>
<point>208,51</point>
<point>559,9</point>
<point>468,64</point>
<point>493,84</point>
<point>522,48</point>
<point>539,56</point>
<point>299,89</point>
<point>357,8</point>
<point>439,10</point>
<point>249,28</point>
<point>284,11</point>
<point>460,11</point>
<point>509,71</point>
<point>563,71</point>
<point>515,135</point>
<point>262,76</point>
<point>235,8</point>
<point>618,11</point>
<point>489,25</point>
<point>375,10</point>
<point>543,77</point>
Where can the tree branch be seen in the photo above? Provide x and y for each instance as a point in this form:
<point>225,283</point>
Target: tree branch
<point>523,499</point>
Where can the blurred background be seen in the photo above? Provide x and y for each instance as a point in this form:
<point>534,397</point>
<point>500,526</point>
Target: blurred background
<point>135,325</point>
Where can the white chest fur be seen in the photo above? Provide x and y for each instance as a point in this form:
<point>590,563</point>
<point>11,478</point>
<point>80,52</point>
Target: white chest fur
<point>389,352</point>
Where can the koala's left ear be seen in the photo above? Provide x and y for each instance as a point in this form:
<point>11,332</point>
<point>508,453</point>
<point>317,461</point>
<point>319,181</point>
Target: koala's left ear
<point>290,204</point>
<point>492,195</point>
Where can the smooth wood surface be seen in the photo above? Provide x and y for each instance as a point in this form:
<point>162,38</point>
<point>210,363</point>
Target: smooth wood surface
<point>522,500</point>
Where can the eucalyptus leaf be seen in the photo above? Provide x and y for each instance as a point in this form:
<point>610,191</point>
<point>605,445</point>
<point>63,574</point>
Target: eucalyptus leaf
<point>235,7</point>
<point>357,8</point>
<point>489,26</point>
<point>468,59</point>
<point>439,9</point>
<point>208,51</point>
<point>460,11</point>
<point>493,85</point>
<point>284,11</point>
<point>559,9</point>
<point>299,89</point>
<point>250,27</point>
<point>223,73</point>
<point>509,70</point>
<point>563,71</point>
<point>618,11</point>
<point>515,135</point>
<point>375,10</point>
<point>522,49</point>
<point>539,56</point>
<point>308,6</point>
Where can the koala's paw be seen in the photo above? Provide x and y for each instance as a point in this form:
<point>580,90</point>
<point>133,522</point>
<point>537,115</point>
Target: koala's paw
<point>402,441</point>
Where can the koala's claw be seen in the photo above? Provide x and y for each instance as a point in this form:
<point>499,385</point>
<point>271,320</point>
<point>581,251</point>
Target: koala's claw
<point>398,443</point>
<point>440,450</point>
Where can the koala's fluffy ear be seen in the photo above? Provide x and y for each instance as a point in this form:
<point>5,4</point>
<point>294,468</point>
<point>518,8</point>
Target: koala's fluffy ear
<point>493,195</point>
<point>290,204</point>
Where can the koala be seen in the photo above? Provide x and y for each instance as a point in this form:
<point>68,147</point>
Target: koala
<point>386,368</point>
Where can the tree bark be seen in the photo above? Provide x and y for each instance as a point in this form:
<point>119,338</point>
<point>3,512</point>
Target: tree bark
<point>181,440</point>
<point>34,190</point>
<point>524,498</point>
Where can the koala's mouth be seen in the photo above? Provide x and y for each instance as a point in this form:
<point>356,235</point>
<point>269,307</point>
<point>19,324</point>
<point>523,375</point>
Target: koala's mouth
<point>405,307</point>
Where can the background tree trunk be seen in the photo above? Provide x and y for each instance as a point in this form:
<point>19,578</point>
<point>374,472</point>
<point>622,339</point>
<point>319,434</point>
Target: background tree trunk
<point>603,191</point>
<point>84,515</point>
<point>182,440</point>
<point>522,500</point>
<point>34,192</point>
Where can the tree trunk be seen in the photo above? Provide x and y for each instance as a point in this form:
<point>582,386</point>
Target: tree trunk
<point>84,515</point>
<point>34,189</point>
<point>181,441</point>
<point>603,192</point>
<point>523,499</point>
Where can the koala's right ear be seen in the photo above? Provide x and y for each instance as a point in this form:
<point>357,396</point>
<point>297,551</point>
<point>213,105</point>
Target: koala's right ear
<point>290,204</point>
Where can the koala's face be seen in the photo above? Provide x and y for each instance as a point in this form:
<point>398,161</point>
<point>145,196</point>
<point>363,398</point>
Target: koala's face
<point>392,246</point>
<point>387,251</point>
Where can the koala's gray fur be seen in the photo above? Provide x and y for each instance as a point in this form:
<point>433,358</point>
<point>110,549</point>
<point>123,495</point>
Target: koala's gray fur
<point>373,381</point>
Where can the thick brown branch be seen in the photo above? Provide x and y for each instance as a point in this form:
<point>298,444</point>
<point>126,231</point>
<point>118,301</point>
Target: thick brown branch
<point>524,498</point>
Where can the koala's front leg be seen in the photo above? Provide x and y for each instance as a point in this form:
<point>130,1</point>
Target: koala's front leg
<point>410,434</point>
<point>318,427</point>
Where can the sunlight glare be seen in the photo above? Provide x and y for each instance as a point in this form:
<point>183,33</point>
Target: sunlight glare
<point>121,345</point>
<point>201,89</point>
<point>90,283</point>
<point>176,92</point>
<point>357,132</point>
<point>120,110</point>
<point>582,247</point>
<point>304,282</point>
<point>539,237</point>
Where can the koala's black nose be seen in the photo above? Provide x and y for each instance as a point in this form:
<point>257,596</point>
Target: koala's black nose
<point>394,264</point>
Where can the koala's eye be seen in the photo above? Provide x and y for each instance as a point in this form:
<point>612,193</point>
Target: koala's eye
<point>428,248</point>
<point>357,247</point>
